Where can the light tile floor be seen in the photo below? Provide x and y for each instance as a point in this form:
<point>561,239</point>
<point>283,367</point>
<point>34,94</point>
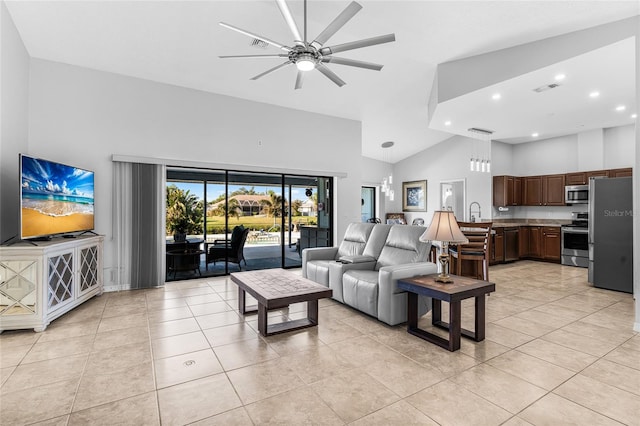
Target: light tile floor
<point>558,351</point>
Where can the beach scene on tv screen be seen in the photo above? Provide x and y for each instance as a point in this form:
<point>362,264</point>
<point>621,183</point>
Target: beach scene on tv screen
<point>56,198</point>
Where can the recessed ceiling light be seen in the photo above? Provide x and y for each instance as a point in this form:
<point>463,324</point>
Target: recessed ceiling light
<point>447,123</point>
<point>621,108</point>
<point>634,115</point>
<point>560,77</point>
<point>535,134</point>
<point>594,94</point>
<point>496,96</point>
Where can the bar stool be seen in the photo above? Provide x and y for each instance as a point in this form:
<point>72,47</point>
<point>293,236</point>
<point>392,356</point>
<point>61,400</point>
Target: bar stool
<point>477,249</point>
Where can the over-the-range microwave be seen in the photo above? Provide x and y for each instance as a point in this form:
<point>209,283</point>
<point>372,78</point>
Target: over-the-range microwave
<point>576,194</point>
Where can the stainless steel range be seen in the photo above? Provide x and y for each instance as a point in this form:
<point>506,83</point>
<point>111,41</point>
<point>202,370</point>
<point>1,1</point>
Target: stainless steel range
<point>575,240</point>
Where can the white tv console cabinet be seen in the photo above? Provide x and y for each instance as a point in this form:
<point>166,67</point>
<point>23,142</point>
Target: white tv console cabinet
<point>40,283</point>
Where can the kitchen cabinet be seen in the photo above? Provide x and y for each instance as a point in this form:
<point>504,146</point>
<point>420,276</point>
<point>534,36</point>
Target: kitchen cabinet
<point>626,172</point>
<point>529,242</point>
<point>596,173</point>
<point>553,190</point>
<point>523,242</point>
<point>544,190</point>
<point>532,190</point>
<point>551,249</point>
<point>535,242</point>
<point>582,178</point>
<point>507,191</point>
<point>577,178</point>
<point>497,247</point>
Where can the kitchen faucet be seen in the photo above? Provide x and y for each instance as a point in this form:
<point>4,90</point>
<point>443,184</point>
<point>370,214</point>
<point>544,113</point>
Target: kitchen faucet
<point>472,218</point>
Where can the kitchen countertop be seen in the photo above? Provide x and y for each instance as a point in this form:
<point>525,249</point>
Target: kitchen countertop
<point>530,222</point>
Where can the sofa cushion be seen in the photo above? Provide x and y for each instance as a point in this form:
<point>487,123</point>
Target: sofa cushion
<point>355,239</point>
<point>376,240</point>
<point>403,246</point>
<point>318,271</point>
<point>360,290</point>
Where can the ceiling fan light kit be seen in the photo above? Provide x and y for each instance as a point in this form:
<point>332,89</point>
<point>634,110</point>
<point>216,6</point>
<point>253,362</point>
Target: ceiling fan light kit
<point>312,55</point>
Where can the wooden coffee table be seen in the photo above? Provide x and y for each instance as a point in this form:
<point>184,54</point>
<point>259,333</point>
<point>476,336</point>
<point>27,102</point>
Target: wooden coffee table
<point>461,288</point>
<point>278,288</point>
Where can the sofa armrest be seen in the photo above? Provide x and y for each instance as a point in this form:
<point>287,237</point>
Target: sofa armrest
<point>389,296</point>
<point>317,253</point>
<point>357,259</point>
<point>389,275</point>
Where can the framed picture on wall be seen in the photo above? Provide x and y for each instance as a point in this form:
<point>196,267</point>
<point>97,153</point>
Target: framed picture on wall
<point>414,196</point>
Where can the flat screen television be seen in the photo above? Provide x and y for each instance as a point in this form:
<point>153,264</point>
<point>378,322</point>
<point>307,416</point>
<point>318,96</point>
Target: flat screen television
<point>54,198</point>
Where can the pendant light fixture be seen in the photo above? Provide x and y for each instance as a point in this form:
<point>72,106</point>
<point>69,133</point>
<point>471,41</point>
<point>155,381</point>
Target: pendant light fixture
<point>480,160</point>
<point>387,181</point>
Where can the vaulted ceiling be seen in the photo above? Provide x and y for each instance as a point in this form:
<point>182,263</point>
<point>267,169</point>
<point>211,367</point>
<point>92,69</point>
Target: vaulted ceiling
<point>178,42</point>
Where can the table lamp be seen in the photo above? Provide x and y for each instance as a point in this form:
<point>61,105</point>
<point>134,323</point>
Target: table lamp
<point>444,228</point>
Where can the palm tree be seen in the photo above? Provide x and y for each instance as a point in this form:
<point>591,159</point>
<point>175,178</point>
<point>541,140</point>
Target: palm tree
<point>295,207</point>
<point>184,212</point>
<point>272,206</point>
<point>229,209</point>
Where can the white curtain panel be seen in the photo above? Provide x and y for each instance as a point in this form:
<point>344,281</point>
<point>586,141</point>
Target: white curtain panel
<point>139,224</point>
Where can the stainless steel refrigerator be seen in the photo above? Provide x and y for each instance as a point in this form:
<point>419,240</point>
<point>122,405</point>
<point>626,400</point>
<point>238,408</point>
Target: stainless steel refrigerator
<point>611,233</point>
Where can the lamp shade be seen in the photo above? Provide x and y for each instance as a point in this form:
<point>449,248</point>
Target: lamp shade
<point>444,227</point>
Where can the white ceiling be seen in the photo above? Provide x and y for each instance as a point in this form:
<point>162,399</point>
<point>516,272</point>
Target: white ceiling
<point>178,42</point>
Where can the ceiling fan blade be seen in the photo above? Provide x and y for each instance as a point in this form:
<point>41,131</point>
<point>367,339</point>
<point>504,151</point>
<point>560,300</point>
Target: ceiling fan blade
<point>330,75</point>
<point>299,79</point>
<point>337,23</point>
<point>358,44</point>
<point>271,70</point>
<point>286,13</point>
<point>352,63</point>
<point>259,37</point>
<point>253,56</point>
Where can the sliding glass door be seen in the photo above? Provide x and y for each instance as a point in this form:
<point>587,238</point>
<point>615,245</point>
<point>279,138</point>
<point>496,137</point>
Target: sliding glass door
<point>247,220</point>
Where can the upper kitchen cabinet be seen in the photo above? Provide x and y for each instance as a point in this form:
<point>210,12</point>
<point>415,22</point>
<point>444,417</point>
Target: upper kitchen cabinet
<point>507,191</point>
<point>577,178</point>
<point>544,190</point>
<point>532,190</point>
<point>597,173</point>
<point>553,190</point>
<point>626,172</point>
<point>582,178</point>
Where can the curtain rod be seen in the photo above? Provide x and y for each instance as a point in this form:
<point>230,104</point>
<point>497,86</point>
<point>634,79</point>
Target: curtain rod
<point>223,166</point>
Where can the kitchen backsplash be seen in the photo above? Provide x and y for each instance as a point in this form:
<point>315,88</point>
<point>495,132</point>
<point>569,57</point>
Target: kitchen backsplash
<point>528,212</point>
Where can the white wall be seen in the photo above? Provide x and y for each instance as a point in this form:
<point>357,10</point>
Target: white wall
<point>549,156</point>
<point>619,147</point>
<point>448,160</point>
<point>82,117</point>
<point>14,86</point>
<point>502,159</point>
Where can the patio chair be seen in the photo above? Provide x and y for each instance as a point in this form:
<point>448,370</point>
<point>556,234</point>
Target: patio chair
<point>230,250</point>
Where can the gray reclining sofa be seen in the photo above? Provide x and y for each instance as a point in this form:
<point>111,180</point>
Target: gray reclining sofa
<point>363,271</point>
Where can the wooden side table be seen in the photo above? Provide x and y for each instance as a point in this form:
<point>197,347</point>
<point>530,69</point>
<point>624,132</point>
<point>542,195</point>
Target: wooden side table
<point>454,293</point>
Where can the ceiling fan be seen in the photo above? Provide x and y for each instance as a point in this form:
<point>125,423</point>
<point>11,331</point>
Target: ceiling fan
<point>313,55</point>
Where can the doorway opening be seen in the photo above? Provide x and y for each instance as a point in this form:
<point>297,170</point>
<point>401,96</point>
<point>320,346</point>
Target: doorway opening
<point>368,203</point>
